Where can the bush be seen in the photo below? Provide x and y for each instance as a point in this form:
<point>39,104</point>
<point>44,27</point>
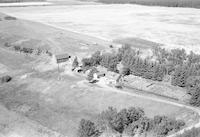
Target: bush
<point>10,18</point>
<point>17,48</point>
<point>7,45</point>
<point>75,63</point>
<point>6,79</point>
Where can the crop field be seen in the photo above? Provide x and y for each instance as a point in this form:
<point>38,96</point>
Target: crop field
<point>173,27</point>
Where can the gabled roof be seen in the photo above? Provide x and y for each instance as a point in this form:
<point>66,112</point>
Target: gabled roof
<point>62,56</point>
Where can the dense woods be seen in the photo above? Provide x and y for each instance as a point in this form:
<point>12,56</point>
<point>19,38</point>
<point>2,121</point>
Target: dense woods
<point>129,122</point>
<point>183,68</point>
<point>167,3</point>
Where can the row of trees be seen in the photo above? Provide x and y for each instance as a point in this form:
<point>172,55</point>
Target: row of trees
<point>129,122</point>
<point>27,50</point>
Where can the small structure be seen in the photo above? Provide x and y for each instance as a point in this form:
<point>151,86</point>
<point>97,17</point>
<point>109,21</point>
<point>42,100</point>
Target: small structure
<point>98,75</point>
<point>62,58</point>
<point>78,69</point>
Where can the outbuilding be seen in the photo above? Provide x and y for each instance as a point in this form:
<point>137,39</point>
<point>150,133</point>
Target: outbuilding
<point>98,75</point>
<point>62,57</point>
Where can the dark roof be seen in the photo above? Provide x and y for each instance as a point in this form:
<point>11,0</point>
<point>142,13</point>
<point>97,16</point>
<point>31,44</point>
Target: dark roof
<point>62,56</point>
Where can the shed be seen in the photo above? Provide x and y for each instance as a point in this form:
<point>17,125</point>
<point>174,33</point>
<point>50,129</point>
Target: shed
<point>62,57</point>
<point>98,75</point>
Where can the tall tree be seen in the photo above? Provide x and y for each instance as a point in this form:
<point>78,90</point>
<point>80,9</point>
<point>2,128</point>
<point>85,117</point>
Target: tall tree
<point>75,63</point>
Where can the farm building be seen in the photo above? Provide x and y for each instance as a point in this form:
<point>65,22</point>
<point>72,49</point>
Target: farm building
<point>62,57</point>
<point>98,75</point>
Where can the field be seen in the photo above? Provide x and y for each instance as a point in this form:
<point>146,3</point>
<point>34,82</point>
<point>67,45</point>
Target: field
<point>42,101</point>
<point>172,27</point>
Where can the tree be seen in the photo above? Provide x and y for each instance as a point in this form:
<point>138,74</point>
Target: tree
<point>177,56</point>
<point>90,75</point>
<point>180,76</point>
<point>87,129</point>
<point>125,71</point>
<point>193,58</point>
<point>75,63</point>
<point>135,114</point>
<point>5,79</point>
<point>96,57</point>
<point>192,84</point>
<point>110,62</point>
<point>195,98</point>
<point>105,118</point>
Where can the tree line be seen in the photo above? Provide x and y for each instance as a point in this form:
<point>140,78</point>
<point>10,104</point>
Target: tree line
<point>166,3</point>
<point>27,50</point>
<point>129,122</point>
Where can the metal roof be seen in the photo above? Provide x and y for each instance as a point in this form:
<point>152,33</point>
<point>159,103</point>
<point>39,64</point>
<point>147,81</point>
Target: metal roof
<point>62,56</point>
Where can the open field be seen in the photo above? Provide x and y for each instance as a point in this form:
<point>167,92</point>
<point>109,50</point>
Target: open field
<point>173,27</point>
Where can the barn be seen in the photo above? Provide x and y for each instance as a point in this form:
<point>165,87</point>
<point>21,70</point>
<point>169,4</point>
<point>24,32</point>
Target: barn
<point>62,57</point>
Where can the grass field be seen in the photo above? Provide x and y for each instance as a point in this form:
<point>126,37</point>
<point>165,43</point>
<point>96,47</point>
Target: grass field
<point>166,3</point>
<point>173,27</point>
<point>59,105</point>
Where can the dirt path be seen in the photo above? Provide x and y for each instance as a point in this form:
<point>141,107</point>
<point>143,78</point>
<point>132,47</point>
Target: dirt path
<point>197,110</point>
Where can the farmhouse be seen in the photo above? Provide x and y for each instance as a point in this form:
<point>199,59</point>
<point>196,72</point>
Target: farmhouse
<point>62,57</point>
